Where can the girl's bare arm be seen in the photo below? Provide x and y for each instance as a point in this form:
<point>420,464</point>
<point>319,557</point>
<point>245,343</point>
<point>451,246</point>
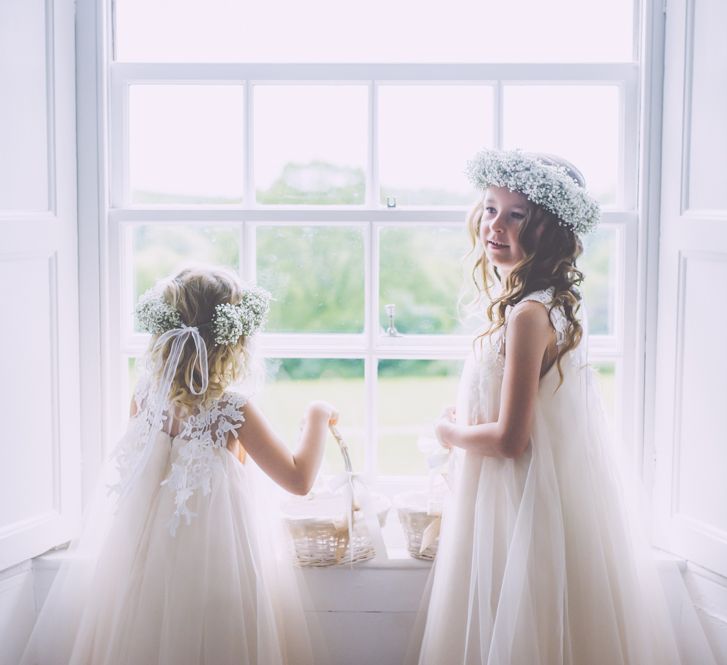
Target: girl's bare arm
<point>529,334</point>
<point>294,472</point>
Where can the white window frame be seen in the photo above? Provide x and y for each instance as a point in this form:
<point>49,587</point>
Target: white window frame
<point>623,347</point>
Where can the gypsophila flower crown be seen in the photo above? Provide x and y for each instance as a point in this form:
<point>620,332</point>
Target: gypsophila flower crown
<point>547,185</point>
<point>154,315</point>
<point>229,322</point>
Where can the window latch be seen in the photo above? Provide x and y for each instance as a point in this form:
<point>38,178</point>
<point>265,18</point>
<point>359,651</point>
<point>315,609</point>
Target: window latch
<point>391,330</point>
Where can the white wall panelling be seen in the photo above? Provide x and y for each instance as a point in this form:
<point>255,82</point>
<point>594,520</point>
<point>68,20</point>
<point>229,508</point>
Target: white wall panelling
<point>39,438</point>
<point>26,114</point>
<point>691,364</point>
<point>709,592</point>
<point>30,455</point>
<point>698,493</point>
<point>704,178</point>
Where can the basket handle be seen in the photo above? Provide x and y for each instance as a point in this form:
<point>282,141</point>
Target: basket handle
<point>342,447</point>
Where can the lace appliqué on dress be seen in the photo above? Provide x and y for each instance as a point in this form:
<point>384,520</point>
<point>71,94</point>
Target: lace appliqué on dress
<point>204,434</point>
<point>557,316</point>
<point>129,453</point>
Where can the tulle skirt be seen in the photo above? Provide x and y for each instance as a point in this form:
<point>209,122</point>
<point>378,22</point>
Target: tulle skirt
<point>540,562</point>
<point>216,593</point>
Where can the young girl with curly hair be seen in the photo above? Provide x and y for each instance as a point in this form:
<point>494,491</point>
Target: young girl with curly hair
<point>538,563</point>
<point>179,567</point>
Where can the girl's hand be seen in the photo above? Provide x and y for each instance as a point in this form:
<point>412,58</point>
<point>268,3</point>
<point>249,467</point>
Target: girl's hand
<point>443,430</point>
<point>444,427</point>
<point>322,410</point>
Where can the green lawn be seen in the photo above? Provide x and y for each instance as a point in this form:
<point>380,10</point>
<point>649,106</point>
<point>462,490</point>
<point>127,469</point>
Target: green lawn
<point>407,408</point>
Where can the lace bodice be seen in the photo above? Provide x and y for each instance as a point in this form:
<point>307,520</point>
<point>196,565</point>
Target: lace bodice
<point>557,317</point>
<point>496,342</point>
<point>197,447</point>
<point>479,395</point>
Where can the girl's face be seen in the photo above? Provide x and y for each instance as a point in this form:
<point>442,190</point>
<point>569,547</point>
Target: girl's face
<point>503,214</point>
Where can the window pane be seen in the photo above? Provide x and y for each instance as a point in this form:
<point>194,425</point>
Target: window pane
<point>186,144</point>
<point>598,264</point>
<point>422,273</point>
<point>310,144</point>
<point>578,122</point>
<point>426,135</point>
<point>316,276</point>
<point>294,382</point>
<point>412,395</point>
<point>161,250</point>
<point>374,31</point>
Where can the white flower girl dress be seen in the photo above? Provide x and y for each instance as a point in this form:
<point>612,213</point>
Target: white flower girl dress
<point>181,568</point>
<point>538,564</point>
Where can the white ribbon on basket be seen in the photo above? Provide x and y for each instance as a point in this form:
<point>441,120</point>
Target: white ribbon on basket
<point>354,488</point>
<point>439,464</point>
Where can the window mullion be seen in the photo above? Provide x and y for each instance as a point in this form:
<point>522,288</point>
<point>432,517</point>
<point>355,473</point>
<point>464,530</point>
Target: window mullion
<point>629,142</point>
<point>371,414</point>
<point>372,170</point>
<point>249,190</point>
<point>118,138</point>
<point>248,252</point>
<point>498,129</point>
<point>371,363</point>
<point>359,72</point>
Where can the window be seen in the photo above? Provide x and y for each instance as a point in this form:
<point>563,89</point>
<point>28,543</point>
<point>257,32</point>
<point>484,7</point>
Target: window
<point>340,187</point>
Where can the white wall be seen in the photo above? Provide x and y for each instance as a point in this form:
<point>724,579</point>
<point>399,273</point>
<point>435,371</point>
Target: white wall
<point>691,377</point>
<point>39,406</point>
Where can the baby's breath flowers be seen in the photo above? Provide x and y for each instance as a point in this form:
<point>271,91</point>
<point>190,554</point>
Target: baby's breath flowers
<point>154,315</point>
<point>547,185</point>
<point>229,322</point>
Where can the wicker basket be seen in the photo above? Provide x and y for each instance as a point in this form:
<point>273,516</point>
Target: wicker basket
<point>319,530</point>
<point>417,518</point>
<point>318,525</point>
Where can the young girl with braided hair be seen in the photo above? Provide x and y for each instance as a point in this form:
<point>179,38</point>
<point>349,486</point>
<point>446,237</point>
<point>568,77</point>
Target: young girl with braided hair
<point>179,566</point>
<point>538,563</point>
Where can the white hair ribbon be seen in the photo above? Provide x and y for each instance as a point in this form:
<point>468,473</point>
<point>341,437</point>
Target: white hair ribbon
<point>180,337</point>
<point>159,400</point>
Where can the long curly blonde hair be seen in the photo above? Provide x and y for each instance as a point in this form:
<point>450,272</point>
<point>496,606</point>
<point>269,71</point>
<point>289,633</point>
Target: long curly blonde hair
<point>194,293</point>
<point>550,261</point>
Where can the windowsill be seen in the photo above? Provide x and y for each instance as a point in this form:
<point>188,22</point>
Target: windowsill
<point>378,586</point>
<point>398,559</point>
<point>393,586</point>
